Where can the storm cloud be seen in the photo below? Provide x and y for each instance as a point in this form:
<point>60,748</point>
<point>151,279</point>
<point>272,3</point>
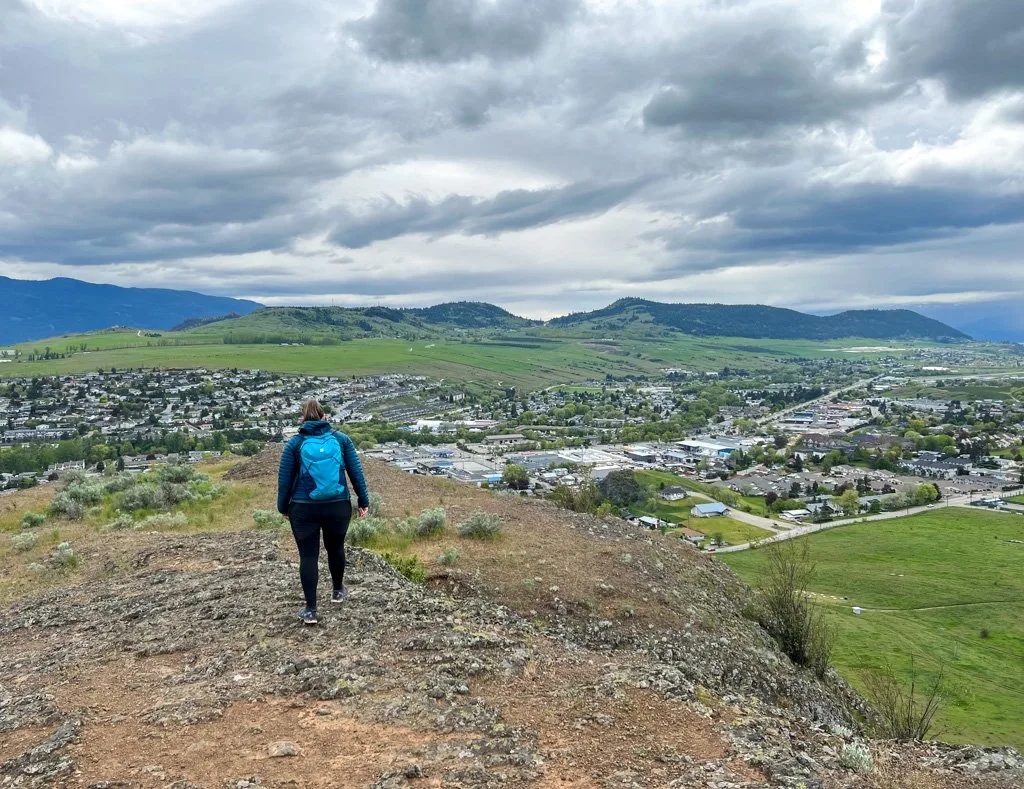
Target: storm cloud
<point>548,156</point>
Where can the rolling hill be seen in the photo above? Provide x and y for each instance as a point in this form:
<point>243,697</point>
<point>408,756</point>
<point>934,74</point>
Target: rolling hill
<point>34,309</point>
<point>41,309</point>
<point>757,321</point>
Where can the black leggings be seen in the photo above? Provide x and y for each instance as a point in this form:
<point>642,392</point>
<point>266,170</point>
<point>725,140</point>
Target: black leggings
<point>308,520</point>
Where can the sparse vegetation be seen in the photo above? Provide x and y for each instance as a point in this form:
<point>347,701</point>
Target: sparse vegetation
<point>431,522</point>
<point>481,526</point>
<point>122,522</point>
<point>24,542</point>
<point>165,520</point>
<point>31,520</point>
<point>63,556</point>
<point>364,531</point>
<point>449,557</point>
<point>266,519</point>
<point>409,567</point>
<point>856,757</point>
<point>376,503</point>
<point>904,713</point>
<point>64,506</point>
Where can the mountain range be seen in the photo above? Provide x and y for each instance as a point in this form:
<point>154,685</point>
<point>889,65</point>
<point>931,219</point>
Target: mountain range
<point>39,309</point>
<point>34,309</point>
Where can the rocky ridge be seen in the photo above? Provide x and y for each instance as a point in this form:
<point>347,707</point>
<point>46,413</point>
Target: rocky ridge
<point>188,668</point>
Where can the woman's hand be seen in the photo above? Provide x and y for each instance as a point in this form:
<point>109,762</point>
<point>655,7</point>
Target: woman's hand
<point>363,511</point>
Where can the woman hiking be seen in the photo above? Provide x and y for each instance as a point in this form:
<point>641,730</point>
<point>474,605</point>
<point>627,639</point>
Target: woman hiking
<point>312,494</point>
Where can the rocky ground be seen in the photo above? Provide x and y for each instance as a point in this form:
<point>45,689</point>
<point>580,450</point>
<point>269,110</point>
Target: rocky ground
<point>574,652</point>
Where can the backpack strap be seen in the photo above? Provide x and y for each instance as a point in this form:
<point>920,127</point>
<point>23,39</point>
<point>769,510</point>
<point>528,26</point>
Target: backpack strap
<point>298,473</point>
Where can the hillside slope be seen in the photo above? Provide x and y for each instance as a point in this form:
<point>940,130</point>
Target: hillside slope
<point>758,321</point>
<point>34,309</point>
<point>574,652</point>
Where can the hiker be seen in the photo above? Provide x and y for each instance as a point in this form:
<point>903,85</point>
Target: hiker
<point>312,494</point>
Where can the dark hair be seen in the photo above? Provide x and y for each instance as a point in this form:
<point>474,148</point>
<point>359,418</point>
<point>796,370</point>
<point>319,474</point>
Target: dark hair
<point>312,411</point>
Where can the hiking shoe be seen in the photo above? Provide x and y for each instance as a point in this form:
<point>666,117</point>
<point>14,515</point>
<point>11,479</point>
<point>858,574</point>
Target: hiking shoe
<point>308,616</point>
<point>339,595</point>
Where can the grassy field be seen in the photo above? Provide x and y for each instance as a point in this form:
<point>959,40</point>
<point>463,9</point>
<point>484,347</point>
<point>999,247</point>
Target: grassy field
<point>945,587</point>
<point>526,359</point>
<point>1016,499</point>
<point>733,532</point>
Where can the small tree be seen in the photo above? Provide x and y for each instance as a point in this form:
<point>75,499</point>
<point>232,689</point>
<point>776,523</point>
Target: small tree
<point>849,502</point>
<point>515,477</point>
<point>786,612</point>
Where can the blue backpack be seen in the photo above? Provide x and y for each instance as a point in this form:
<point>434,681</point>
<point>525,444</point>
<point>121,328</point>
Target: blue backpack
<point>320,457</point>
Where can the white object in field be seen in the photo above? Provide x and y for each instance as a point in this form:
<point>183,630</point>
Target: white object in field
<point>857,609</point>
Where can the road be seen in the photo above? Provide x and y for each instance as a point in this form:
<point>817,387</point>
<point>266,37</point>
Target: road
<point>811,528</point>
<point>764,420</point>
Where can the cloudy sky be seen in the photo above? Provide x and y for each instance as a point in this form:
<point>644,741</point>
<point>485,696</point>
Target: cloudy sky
<point>545,155</point>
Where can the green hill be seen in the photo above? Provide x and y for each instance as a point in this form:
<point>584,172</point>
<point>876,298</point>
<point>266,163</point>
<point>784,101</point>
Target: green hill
<point>756,321</point>
<point>325,325</point>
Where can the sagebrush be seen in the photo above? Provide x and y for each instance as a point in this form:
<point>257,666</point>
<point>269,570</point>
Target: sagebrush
<point>481,526</point>
<point>431,523</point>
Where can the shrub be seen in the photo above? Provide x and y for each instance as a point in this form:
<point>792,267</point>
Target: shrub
<point>119,483</point>
<point>431,522</point>
<point>74,478</point>
<point>856,757</point>
<point>407,527</point>
<point>205,490</point>
<point>266,519</point>
<point>37,568</point>
<point>984,631</point>
<point>899,712</point>
<point>786,612</point>
<point>174,493</point>
<point>84,493</point>
<point>364,531</point>
<point>63,506</point>
<point>481,526</point>
<point>449,557</point>
<point>165,520</point>
<point>25,541</point>
<point>64,556</point>
<point>176,473</point>
<point>141,497</point>
<point>376,502</point>
<point>408,566</point>
<point>123,522</point>
<point>31,520</point>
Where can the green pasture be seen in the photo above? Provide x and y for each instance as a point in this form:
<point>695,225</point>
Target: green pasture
<point>945,587</point>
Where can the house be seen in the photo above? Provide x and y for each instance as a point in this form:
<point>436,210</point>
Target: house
<point>504,440</point>
<point>674,493</point>
<point>711,510</point>
<point>795,515</point>
<point>649,522</point>
<point>691,535</point>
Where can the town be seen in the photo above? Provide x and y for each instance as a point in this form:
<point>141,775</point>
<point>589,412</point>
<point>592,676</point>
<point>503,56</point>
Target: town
<point>772,455</point>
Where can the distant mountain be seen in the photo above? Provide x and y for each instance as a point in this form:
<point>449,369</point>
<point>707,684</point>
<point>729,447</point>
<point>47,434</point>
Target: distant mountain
<point>999,321</point>
<point>757,321</point>
<point>35,309</point>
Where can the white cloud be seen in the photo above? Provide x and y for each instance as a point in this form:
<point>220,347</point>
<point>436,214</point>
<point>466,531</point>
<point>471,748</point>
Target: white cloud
<point>808,154</point>
<point>18,148</point>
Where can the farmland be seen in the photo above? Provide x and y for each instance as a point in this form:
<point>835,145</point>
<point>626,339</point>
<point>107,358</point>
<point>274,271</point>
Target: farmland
<point>945,587</point>
<point>528,358</point>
